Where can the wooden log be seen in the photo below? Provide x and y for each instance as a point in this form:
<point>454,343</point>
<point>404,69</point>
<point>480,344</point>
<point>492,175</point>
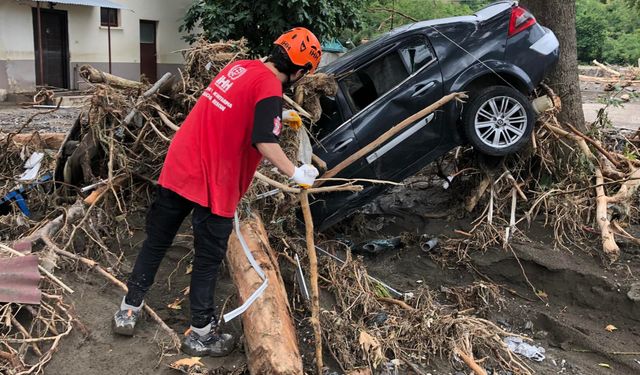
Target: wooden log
<point>608,80</point>
<point>606,68</point>
<point>271,344</point>
<point>94,75</point>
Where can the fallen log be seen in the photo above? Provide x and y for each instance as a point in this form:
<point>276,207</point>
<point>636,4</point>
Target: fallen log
<point>606,68</point>
<point>94,75</point>
<point>270,337</point>
<point>608,80</point>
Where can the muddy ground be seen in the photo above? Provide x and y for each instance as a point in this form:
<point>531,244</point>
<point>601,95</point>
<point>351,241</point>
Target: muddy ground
<point>13,117</point>
<point>583,296</point>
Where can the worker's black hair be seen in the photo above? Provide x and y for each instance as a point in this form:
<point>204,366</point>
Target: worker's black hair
<point>281,60</point>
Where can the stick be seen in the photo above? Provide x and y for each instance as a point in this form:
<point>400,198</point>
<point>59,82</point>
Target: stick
<point>596,145</point>
<point>165,118</point>
<point>158,131</point>
<point>606,68</point>
<point>609,245</point>
<point>26,334</point>
<point>313,265</point>
<point>391,132</point>
<point>156,86</point>
<point>515,185</point>
<point>606,80</point>
<point>289,189</point>
<point>96,267</point>
<point>470,362</point>
<point>394,301</point>
<point>319,162</point>
<point>42,269</point>
<point>297,107</point>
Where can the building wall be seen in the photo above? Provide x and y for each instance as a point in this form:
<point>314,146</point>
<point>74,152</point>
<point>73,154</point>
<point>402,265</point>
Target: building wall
<point>17,65</point>
<point>88,41</point>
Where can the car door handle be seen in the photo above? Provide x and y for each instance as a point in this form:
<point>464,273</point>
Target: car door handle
<point>342,145</point>
<point>421,89</point>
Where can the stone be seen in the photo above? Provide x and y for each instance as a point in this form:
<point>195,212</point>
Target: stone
<point>540,335</point>
<point>634,292</point>
<point>625,97</point>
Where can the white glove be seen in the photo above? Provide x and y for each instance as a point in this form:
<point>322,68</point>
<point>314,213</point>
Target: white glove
<point>305,175</point>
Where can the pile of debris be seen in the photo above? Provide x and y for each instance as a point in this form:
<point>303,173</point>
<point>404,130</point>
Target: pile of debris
<point>106,166</point>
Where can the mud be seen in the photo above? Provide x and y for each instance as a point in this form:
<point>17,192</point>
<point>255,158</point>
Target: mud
<point>581,296</point>
<point>12,117</point>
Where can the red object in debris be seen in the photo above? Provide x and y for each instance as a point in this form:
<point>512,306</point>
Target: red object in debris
<point>24,247</point>
<point>19,279</point>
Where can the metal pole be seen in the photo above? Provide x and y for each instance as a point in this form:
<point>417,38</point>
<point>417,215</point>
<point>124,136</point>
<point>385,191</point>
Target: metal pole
<point>109,35</point>
<point>40,54</point>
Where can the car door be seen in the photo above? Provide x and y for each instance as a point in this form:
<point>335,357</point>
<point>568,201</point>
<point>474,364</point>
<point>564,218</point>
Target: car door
<point>336,140</point>
<point>389,89</point>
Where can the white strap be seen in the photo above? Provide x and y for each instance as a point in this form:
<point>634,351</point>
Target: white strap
<point>258,292</point>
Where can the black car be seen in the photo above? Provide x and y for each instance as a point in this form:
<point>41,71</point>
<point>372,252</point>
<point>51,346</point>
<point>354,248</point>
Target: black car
<point>497,55</point>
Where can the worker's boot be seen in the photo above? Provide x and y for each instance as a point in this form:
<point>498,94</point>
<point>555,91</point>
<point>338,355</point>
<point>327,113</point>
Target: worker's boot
<point>125,319</point>
<point>213,343</point>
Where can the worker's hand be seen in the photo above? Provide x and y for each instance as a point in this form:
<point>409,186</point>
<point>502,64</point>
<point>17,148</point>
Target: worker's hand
<point>305,175</point>
<point>291,119</point>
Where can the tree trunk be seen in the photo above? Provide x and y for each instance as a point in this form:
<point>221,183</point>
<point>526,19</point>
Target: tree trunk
<point>270,336</point>
<point>560,16</point>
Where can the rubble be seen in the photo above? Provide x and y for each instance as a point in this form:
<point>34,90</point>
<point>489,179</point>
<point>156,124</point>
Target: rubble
<point>115,152</point>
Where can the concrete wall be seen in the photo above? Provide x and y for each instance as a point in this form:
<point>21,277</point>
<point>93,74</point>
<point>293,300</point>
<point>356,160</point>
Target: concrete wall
<point>88,41</point>
<point>17,65</point>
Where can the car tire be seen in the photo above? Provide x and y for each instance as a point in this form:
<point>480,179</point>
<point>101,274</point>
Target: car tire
<point>498,120</point>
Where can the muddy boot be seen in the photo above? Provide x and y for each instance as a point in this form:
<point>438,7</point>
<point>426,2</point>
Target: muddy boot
<point>125,319</point>
<point>212,343</point>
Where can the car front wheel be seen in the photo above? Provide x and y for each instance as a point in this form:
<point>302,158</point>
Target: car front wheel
<point>498,120</point>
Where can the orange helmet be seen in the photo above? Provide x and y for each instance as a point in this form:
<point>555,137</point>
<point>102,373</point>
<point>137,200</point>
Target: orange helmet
<point>302,47</point>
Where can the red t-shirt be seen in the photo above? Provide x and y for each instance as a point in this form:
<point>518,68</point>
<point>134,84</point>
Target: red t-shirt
<point>211,160</point>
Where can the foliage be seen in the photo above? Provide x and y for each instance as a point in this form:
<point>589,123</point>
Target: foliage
<point>261,22</point>
<point>608,31</point>
<point>634,4</point>
<point>380,16</point>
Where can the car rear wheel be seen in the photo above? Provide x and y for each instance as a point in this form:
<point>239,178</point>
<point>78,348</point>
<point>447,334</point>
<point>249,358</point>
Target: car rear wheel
<point>498,121</point>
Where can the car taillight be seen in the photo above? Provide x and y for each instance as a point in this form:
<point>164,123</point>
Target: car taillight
<point>521,20</point>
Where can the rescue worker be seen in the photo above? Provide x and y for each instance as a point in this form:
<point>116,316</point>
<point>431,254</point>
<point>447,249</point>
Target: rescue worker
<point>209,166</point>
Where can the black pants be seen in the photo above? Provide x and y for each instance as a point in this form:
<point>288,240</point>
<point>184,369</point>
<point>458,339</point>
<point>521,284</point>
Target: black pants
<point>210,232</point>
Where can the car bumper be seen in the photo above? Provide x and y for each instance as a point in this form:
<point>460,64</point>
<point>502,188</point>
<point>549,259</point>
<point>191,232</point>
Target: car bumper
<point>547,45</point>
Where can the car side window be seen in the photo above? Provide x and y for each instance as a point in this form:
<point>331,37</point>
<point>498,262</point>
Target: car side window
<point>370,82</point>
<point>416,55</point>
<point>330,119</point>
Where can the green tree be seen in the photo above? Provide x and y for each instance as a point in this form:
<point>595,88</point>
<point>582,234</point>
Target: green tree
<point>591,31</point>
<point>261,22</point>
<point>608,31</point>
<point>383,15</point>
<point>634,3</point>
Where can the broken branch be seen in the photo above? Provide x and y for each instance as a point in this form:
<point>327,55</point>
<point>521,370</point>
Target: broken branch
<point>391,132</point>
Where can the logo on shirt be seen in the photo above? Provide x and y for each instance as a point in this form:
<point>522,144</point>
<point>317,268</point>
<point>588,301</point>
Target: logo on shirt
<point>277,126</point>
<point>223,83</point>
<point>236,72</point>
